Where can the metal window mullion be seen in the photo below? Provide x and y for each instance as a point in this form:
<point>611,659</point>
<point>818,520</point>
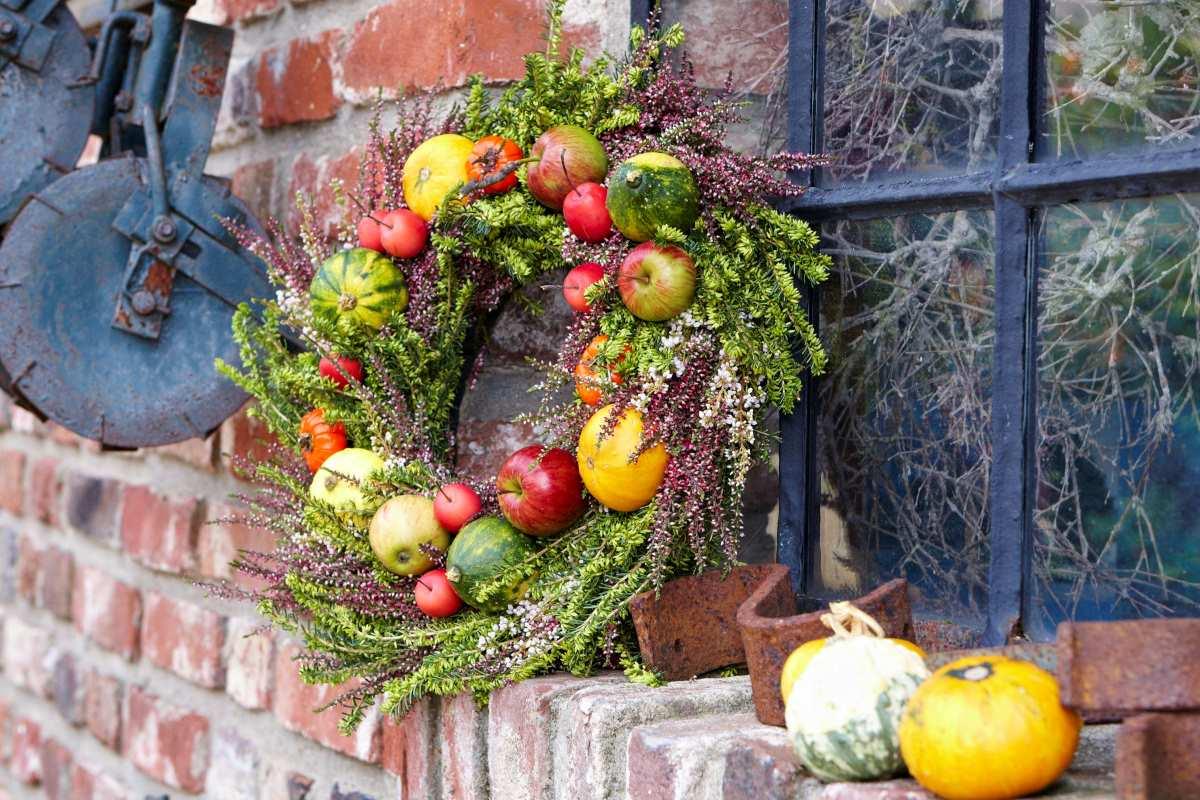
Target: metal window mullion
<point>799,487</point>
<point>1014,391</point>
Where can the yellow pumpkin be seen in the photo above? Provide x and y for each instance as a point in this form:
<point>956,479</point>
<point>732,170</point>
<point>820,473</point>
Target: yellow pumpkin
<point>988,728</point>
<point>803,654</point>
<point>432,170</point>
<point>605,467</point>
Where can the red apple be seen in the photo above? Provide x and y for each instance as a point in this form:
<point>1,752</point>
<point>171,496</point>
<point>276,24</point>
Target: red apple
<point>435,594</point>
<point>541,492</point>
<point>337,371</point>
<point>656,282</point>
<point>585,212</point>
<point>576,283</point>
<point>567,156</point>
<point>369,231</point>
<point>404,234</point>
<point>454,505</point>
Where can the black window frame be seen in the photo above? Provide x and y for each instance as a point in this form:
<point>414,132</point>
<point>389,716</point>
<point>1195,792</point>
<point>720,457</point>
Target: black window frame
<point>1016,189</point>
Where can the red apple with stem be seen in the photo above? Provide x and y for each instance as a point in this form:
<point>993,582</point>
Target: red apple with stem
<point>564,156</point>
<point>586,212</point>
<point>341,370</point>
<point>657,282</point>
<point>540,491</point>
<point>404,234</point>
<point>576,284</point>
<point>435,594</point>
<point>454,505</point>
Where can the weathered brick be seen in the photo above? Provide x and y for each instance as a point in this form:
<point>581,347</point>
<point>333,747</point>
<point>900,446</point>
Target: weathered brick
<point>158,531</point>
<point>314,178</point>
<point>103,697</point>
<point>739,40</point>
<point>45,489</point>
<point>254,183</point>
<point>463,738</point>
<point>409,750</point>
<point>686,758</point>
<point>107,611</point>
<point>26,760</point>
<point>294,702</point>
<point>92,505</point>
<point>56,770</point>
<point>246,438</point>
<point>884,790</point>
<point>592,738</point>
<point>91,783</point>
<point>338,793</point>
<point>12,480</point>
<point>24,421</point>
<point>295,81</point>
<point>28,655</point>
<point>66,688</point>
<point>184,638</point>
<point>219,541</point>
<point>250,670</point>
<point>234,771</point>
<point>6,724</point>
<point>168,743</point>
<point>45,576</point>
<point>762,771</point>
<point>521,722</point>
<point>9,559</point>
<point>197,452</point>
<point>236,10</point>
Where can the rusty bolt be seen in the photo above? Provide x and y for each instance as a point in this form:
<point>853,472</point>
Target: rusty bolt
<point>123,101</point>
<point>164,229</point>
<point>143,302</point>
<point>8,30</point>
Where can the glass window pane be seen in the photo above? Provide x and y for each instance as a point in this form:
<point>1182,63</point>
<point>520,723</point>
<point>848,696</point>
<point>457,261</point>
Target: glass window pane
<point>1118,498</point>
<point>911,86</point>
<point>904,434</point>
<point>1120,76</point>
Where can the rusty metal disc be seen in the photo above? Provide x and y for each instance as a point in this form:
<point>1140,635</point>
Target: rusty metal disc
<point>62,269</point>
<point>45,112</point>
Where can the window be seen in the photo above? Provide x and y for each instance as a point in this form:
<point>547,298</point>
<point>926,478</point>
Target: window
<point>1011,417</point>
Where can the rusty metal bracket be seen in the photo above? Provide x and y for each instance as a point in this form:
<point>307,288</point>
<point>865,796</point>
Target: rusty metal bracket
<point>1156,757</point>
<point>690,627</point>
<point>1112,670</point>
<point>771,630</point>
<point>23,37</point>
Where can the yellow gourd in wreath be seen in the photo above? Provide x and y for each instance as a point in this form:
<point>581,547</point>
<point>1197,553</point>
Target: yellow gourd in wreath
<point>988,728</point>
<point>433,169</point>
<point>844,708</point>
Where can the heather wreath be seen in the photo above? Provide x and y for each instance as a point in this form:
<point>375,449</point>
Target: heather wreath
<point>703,382</point>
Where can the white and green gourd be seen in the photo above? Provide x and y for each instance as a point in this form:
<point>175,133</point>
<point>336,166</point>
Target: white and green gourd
<point>843,713</point>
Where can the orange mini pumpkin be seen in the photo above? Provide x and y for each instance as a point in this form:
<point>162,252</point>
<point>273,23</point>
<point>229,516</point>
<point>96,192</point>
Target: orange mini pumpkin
<point>586,378</point>
<point>320,439</point>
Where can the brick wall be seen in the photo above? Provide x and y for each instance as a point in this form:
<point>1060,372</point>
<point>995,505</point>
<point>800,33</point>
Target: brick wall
<point>119,678</point>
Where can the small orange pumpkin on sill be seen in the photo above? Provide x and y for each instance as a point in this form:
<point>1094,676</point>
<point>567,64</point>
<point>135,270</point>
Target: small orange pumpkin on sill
<point>988,728</point>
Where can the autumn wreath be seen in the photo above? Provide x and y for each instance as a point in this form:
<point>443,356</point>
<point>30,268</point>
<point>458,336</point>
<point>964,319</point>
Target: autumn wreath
<point>689,327</point>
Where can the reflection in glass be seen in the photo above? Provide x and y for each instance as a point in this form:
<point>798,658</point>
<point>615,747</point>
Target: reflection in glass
<point>1118,498</point>
<point>904,434</point>
<point>1120,74</point>
<point>911,86</point>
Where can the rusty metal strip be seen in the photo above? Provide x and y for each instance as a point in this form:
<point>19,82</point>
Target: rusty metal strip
<point>1156,757</point>
<point>1114,670</point>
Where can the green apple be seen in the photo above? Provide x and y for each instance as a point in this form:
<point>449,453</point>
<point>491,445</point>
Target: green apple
<point>339,481</point>
<point>400,527</point>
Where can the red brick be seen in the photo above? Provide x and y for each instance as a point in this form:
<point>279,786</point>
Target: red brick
<point>254,184</point>
<point>197,452</point>
<point>89,783</point>
<point>407,750</point>
<point>6,409</point>
<point>235,10</point>
<point>739,40</point>
<point>168,743</point>
<point>26,763</point>
<point>45,487</point>
<point>92,505</point>
<point>246,438</point>
<point>250,674</point>
<point>107,611</point>
<point>315,180</point>
<point>295,81</point>
<point>234,771</point>
<point>12,480</point>
<point>56,771</point>
<point>28,656</point>
<point>103,696</point>
<point>762,771</point>
<point>66,688</point>
<point>160,532</point>
<point>463,736</point>
<point>461,39</point>
<point>184,638</point>
<point>44,577</point>
<point>294,705</point>
<point>219,543</point>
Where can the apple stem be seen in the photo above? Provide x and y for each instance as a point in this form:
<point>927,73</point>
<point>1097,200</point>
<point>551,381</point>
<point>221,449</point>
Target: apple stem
<point>367,211</point>
<point>442,492</point>
<point>562,159</point>
<point>426,585</point>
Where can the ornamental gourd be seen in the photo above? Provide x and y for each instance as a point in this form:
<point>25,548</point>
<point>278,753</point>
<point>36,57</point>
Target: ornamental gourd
<point>844,708</point>
<point>320,439</point>
<point>480,552</point>
<point>988,728</point>
<point>358,289</point>
<point>649,190</point>
<point>433,169</point>
<point>340,481</point>
<point>605,466</point>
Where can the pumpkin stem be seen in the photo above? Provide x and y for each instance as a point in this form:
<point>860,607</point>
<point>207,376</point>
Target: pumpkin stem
<point>974,673</point>
<point>347,301</point>
<point>860,622</point>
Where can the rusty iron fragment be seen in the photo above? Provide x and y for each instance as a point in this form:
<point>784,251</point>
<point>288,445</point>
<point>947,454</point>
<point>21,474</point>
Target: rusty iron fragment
<point>1112,670</point>
<point>1044,655</point>
<point>690,627</point>
<point>1156,757</point>
<point>771,630</point>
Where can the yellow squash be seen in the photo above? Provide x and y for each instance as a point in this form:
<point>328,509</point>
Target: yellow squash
<point>432,170</point>
<point>605,467</point>
<point>988,728</point>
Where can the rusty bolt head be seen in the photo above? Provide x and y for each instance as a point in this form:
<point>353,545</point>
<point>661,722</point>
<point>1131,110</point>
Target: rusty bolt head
<point>165,230</point>
<point>123,101</point>
<point>8,30</point>
<point>143,302</point>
